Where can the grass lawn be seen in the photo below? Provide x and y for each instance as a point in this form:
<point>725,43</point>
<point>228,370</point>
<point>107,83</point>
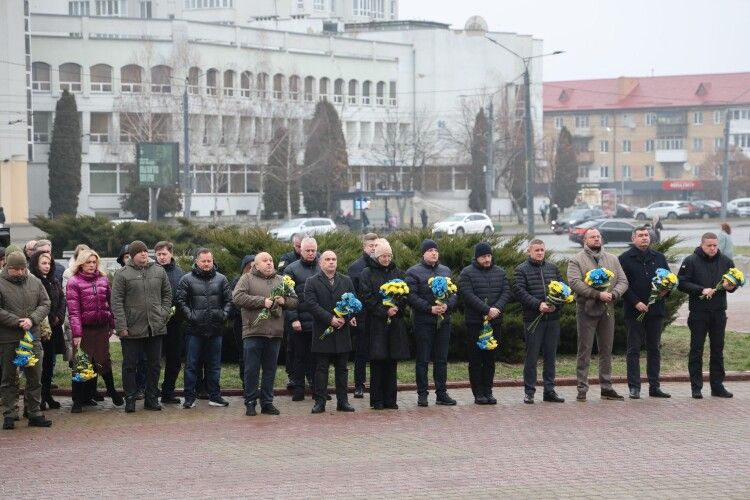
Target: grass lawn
<point>675,347</point>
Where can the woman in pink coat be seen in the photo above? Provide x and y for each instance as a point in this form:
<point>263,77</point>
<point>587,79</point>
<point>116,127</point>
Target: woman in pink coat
<point>91,323</point>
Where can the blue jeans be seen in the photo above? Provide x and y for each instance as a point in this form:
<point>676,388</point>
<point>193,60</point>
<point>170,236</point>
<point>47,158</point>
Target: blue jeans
<point>432,342</point>
<point>208,348</point>
<point>260,352</point>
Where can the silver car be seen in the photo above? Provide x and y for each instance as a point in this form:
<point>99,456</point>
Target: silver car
<point>464,223</point>
<point>302,227</point>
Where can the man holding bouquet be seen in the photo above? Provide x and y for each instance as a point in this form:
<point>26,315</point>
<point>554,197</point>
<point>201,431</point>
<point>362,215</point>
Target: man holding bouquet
<point>702,276</point>
<point>640,264</point>
<point>595,310</point>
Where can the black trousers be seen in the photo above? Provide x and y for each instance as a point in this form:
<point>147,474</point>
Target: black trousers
<point>132,350</point>
<point>322,363</point>
<point>288,347</point>
<point>48,368</point>
<point>172,347</point>
<point>481,362</point>
<point>648,330</point>
<point>383,382</point>
<point>702,323</point>
<point>303,359</point>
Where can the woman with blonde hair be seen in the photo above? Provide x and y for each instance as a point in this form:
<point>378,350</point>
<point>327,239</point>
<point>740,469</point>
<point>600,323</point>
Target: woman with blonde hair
<point>91,322</point>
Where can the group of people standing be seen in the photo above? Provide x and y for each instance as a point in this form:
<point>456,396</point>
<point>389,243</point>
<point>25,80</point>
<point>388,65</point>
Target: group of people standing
<point>151,304</point>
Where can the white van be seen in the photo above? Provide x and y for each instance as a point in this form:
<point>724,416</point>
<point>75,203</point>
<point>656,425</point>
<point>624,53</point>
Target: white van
<point>739,206</point>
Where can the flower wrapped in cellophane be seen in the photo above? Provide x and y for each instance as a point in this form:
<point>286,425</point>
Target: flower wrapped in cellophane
<point>487,341</point>
<point>663,281</point>
<point>734,277</point>
<point>599,278</point>
<point>349,305</point>
<point>442,287</point>
<point>393,293</point>
<point>25,357</point>
<point>558,293</point>
<point>83,369</point>
<point>283,289</point>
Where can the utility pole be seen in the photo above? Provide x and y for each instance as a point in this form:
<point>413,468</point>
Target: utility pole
<point>187,187</point>
<point>529,151</point>
<point>489,184</point>
<point>725,168</point>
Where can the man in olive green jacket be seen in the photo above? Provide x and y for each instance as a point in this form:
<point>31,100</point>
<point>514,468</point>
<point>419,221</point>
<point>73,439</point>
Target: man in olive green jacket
<point>23,305</point>
<point>141,302</point>
<point>595,314</point>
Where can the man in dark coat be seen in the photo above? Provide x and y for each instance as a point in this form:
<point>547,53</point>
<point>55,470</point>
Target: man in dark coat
<point>698,275</point>
<point>173,340</point>
<point>359,332</point>
<point>284,261</point>
<point>300,321</point>
<point>485,291</point>
<point>640,263</point>
<point>530,281</point>
<point>322,291</point>
<point>204,299</point>
<point>431,340</point>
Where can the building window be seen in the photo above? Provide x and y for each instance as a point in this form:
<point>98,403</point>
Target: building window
<point>42,121</point>
<point>319,4</point>
<point>697,144</point>
<point>101,78</point>
<point>99,127</point>
<point>583,172</point>
<point>718,144</point>
<point>109,178</point>
<point>40,77</point>
<point>604,121</point>
<point>145,9</point>
<point>740,114</point>
<point>582,121</point>
<point>558,122</point>
<point>112,8</point>
<point>742,140</point>
<point>233,179</point>
<point>626,146</point>
<point>78,8</point>
<point>70,77</point>
<point>697,117</point>
<point>670,143</point>
<point>648,171</point>
<point>648,145</point>
<point>626,171</point>
<point>207,4</point>
<point>650,118</point>
<point>300,4</point>
<point>718,116</point>
<point>604,146</point>
<point>604,172</point>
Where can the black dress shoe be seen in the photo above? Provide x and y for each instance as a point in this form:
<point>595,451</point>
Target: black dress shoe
<point>553,397</point>
<point>129,405</point>
<point>318,407</point>
<point>378,406</point>
<point>611,394</point>
<point>697,394</point>
<point>152,406</point>
<point>250,411</point>
<point>359,392</point>
<point>39,421</point>
<point>480,400</point>
<point>721,392</point>
<point>270,409</point>
<point>422,400</point>
<point>345,406</point>
<point>392,406</point>
<point>528,399</point>
<point>9,423</point>
<point>658,393</point>
<point>634,394</point>
<point>491,399</point>
<point>445,400</point>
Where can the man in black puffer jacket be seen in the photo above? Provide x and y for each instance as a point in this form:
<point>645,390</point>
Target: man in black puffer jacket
<point>300,321</point>
<point>699,274</point>
<point>530,284</point>
<point>485,291</point>
<point>204,299</point>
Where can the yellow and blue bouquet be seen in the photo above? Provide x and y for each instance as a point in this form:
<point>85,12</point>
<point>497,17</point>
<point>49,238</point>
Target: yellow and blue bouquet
<point>25,357</point>
<point>349,305</point>
<point>393,293</point>
<point>558,293</point>
<point>442,287</point>
<point>664,281</point>
<point>283,289</point>
<point>734,277</point>
<point>83,369</point>
<point>599,278</point>
<point>487,341</point>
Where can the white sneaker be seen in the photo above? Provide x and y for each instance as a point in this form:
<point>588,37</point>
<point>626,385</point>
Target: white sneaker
<point>189,404</point>
<point>218,402</point>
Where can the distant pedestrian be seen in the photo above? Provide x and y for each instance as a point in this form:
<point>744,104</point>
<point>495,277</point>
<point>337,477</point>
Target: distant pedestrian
<point>423,216</point>
<point>553,212</point>
<point>543,211</point>
<point>726,246</point>
<point>2,216</point>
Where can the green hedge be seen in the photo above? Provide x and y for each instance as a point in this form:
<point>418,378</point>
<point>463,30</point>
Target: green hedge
<point>231,243</point>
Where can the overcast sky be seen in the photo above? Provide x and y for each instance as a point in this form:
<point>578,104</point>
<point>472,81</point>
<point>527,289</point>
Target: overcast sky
<point>611,38</point>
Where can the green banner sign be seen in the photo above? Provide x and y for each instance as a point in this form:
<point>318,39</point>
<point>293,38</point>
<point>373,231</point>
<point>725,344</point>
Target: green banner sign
<point>158,163</point>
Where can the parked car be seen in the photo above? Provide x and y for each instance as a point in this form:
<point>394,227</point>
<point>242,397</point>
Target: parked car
<point>464,223</point>
<point>739,206</point>
<point>667,210</point>
<point>576,217</point>
<point>625,211</point>
<point>302,227</point>
<point>707,208</point>
<point>612,231</point>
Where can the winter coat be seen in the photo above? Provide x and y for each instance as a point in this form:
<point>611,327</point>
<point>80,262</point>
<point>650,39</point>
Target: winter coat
<point>89,302</point>
<point>354,272</point>
<point>481,288</point>
<point>174,274</point>
<point>320,300</point>
<point>250,296</point>
<point>421,298</point>
<point>530,281</point>
<point>141,300</point>
<point>57,309</point>
<point>587,298</point>
<point>287,259</point>
<point>300,271</point>
<point>387,341</point>
<point>640,268</point>
<point>204,299</point>
<point>699,271</point>
<point>21,297</point>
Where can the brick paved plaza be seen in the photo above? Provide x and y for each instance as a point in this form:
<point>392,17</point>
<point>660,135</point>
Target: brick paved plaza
<point>677,448</point>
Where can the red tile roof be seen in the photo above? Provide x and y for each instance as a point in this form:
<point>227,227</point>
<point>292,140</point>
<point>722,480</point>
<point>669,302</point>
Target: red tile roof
<point>648,92</point>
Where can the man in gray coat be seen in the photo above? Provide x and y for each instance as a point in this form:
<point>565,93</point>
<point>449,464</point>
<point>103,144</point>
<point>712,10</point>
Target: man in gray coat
<point>595,313</point>
<point>141,302</point>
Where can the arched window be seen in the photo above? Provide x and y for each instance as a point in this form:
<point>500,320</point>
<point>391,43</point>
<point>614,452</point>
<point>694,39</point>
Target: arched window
<point>353,91</point>
<point>131,79</point>
<point>101,78</point>
<point>366,90</point>
<point>40,80</point>
<point>323,88</point>
<point>161,79</point>
<point>228,82</point>
<point>70,77</point>
<point>278,86</point>
<point>294,87</point>
<point>261,87</point>
<point>212,81</point>
<point>309,88</point>
<point>380,94</point>
<point>338,91</point>
<point>194,80</point>
<point>246,83</point>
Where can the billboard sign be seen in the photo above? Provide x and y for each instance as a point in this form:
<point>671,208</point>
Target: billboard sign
<point>157,163</point>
